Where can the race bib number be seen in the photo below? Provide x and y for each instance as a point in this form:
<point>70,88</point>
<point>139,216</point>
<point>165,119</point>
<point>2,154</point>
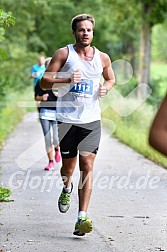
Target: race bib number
<point>48,114</point>
<point>82,88</point>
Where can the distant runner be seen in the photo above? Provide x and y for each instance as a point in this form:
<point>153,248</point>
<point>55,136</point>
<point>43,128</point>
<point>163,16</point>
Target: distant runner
<point>47,116</point>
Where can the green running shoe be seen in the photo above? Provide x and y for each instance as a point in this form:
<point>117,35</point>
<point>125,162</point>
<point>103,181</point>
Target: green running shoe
<point>83,226</point>
<point>64,200</point>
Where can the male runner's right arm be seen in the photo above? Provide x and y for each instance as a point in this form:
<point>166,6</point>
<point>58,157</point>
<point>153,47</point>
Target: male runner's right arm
<point>55,65</point>
<point>57,62</point>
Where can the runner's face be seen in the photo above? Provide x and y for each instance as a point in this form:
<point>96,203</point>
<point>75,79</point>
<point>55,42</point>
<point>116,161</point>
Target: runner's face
<point>84,33</point>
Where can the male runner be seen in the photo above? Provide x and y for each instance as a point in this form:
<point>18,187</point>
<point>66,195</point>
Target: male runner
<point>78,68</point>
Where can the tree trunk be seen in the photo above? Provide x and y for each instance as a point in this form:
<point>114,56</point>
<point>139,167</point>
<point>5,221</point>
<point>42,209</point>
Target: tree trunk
<point>132,53</point>
<point>145,52</point>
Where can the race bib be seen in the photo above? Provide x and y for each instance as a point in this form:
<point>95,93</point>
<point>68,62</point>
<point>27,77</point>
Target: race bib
<point>48,114</point>
<point>82,88</point>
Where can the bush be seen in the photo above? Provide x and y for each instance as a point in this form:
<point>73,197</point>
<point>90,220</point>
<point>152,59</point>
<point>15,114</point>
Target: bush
<point>159,89</point>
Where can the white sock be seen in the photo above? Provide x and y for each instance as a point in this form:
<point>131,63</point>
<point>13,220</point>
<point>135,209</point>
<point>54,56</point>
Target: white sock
<point>81,214</point>
<point>67,189</point>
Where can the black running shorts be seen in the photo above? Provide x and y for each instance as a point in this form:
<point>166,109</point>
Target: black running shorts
<point>79,137</point>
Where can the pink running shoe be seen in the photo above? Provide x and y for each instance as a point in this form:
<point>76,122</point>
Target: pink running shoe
<point>57,156</point>
<point>50,166</point>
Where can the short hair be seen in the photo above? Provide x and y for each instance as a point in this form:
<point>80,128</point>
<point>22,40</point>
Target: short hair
<point>81,17</point>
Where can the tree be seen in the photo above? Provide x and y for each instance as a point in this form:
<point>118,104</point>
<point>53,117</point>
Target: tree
<point>6,20</point>
<point>152,12</point>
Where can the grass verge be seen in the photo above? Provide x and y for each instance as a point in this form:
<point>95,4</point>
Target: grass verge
<point>132,129</point>
<point>12,112</point>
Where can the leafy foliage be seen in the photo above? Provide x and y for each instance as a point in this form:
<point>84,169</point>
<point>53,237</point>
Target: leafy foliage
<point>4,194</point>
<point>159,41</point>
<point>6,20</point>
<point>44,26</point>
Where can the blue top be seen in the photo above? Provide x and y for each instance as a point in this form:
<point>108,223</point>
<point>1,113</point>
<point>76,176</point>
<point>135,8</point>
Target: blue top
<point>39,70</point>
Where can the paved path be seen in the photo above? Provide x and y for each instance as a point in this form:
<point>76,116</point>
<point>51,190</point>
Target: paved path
<point>128,205</point>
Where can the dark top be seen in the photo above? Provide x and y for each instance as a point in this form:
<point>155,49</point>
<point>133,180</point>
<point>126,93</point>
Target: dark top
<point>51,101</point>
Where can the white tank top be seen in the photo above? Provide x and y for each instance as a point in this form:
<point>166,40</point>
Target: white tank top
<point>79,103</point>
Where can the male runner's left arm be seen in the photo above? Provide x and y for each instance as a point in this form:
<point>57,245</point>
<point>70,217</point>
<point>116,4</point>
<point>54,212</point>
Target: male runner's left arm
<point>108,74</point>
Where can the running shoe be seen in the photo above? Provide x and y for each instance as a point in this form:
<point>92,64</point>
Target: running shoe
<point>83,226</point>
<point>57,156</point>
<point>50,166</point>
<point>64,200</point>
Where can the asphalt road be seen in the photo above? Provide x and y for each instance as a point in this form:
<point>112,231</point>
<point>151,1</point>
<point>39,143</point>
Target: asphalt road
<point>128,205</point>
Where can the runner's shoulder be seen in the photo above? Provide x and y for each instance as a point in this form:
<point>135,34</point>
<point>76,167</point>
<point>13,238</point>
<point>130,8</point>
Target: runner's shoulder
<point>61,53</point>
<point>105,59</point>
<point>104,56</point>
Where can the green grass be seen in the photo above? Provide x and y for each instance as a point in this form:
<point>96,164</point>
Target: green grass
<point>12,113</point>
<point>158,79</point>
<point>133,129</point>
<point>134,133</point>
<point>159,69</point>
